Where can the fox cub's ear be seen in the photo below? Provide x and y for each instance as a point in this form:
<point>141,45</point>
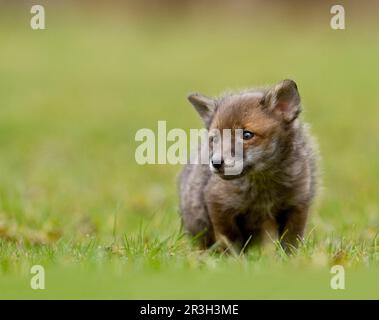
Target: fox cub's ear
<point>205,106</point>
<point>283,99</point>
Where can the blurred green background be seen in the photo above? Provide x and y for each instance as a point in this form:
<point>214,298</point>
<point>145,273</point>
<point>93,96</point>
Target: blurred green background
<point>73,96</point>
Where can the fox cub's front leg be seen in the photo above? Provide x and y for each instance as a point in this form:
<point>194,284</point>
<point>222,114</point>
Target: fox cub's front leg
<point>226,230</point>
<point>291,227</point>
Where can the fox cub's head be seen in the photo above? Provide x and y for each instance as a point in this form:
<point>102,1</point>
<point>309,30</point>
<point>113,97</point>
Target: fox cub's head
<point>257,124</point>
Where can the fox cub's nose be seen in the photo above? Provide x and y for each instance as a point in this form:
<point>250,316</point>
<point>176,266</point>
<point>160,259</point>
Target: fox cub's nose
<point>217,164</point>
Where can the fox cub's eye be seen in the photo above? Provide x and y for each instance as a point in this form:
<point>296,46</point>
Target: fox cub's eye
<point>247,135</point>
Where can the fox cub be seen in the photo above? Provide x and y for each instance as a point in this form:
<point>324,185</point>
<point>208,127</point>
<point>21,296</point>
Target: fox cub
<point>270,197</point>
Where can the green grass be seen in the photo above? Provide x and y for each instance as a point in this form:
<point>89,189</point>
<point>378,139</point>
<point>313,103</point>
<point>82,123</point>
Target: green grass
<point>73,199</point>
